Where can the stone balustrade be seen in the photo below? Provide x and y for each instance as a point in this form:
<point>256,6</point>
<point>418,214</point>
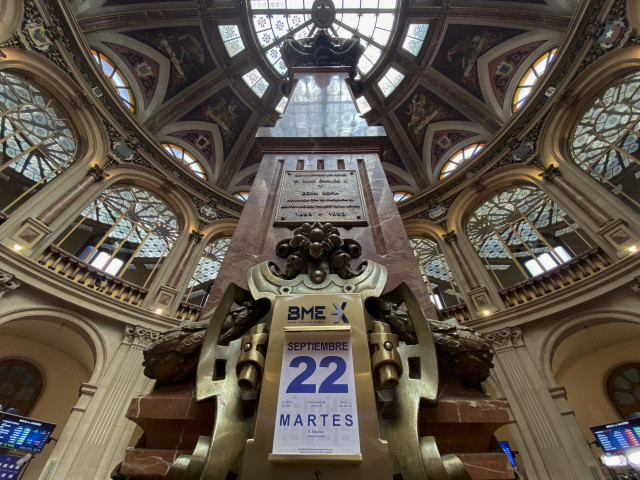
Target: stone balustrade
<point>188,311</point>
<point>460,313</point>
<point>81,272</point>
<point>573,271</point>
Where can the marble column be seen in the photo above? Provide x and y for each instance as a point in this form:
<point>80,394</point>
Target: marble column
<point>478,294</point>
<point>97,433</point>
<point>548,451</point>
<point>95,174</point>
<point>615,231</point>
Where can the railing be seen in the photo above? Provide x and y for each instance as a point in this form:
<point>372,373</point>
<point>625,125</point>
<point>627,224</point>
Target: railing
<point>456,312</point>
<point>81,272</point>
<point>573,271</point>
<point>188,311</point>
<point>3,217</point>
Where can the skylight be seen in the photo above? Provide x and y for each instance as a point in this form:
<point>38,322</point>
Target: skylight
<point>390,81</point>
<point>256,82</point>
<point>117,79</point>
<point>185,157</point>
<point>416,33</point>
<point>531,76</point>
<point>282,104</point>
<point>232,40</point>
<point>372,21</point>
<point>363,105</point>
<point>459,157</point>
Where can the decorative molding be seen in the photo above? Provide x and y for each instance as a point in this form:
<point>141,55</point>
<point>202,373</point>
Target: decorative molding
<point>8,282</point>
<point>550,172</point>
<point>504,338</point>
<point>140,336</point>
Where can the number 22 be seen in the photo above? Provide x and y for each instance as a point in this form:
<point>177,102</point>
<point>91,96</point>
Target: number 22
<point>329,384</point>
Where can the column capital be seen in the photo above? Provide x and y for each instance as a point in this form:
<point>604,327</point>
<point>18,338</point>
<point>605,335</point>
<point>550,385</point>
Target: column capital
<point>195,236</point>
<point>450,237</point>
<point>140,336</point>
<point>504,338</point>
<point>8,282</point>
<point>550,173</point>
<point>97,173</point>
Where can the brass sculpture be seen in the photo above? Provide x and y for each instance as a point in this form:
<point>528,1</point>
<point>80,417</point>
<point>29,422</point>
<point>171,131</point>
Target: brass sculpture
<point>406,352</point>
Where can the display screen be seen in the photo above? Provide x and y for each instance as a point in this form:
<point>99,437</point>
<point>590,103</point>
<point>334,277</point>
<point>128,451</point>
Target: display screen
<point>618,437</point>
<point>26,434</point>
<point>8,468</point>
<point>507,450</point>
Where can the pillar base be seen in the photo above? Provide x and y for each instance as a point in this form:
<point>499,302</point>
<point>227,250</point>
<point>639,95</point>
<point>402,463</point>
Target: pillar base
<point>28,234</point>
<point>618,234</point>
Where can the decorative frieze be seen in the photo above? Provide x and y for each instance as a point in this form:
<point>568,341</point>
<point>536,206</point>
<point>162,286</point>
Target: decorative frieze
<point>504,338</point>
<point>140,336</point>
<point>8,282</point>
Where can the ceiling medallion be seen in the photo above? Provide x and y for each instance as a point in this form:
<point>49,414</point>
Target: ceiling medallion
<point>323,13</point>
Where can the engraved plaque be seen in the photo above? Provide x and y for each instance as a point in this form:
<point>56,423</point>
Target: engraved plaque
<point>320,196</point>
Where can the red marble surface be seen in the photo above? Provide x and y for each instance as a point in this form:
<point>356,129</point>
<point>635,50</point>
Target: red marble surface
<point>150,464</point>
<point>487,466</point>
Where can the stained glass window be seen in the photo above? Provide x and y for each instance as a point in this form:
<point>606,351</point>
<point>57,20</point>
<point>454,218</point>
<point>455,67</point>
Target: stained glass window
<point>623,388</point>
<point>118,81</point>
<point>282,104</point>
<point>531,77</point>
<point>390,81</point>
<point>185,157</point>
<point>130,224</point>
<point>373,21</point>
<point>20,386</point>
<point>206,271</point>
<point>605,141</point>
<point>443,289</point>
<point>242,196</point>
<point>519,224</point>
<point>416,33</point>
<point>37,141</point>
<point>400,196</point>
<point>232,39</point>
<point>256,82</point>
<point>459,157</point>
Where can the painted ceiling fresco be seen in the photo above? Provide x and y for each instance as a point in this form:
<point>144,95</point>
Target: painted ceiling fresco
<point>422,109</point>
<point>186,50</point>
<point>461,48</point>
<point>395,180</point>
<point>192,72</point>
<point>227,111</point>
<point>444,141</point>
<point>142,68</point>
<point>202,141</point>
<point>503,68</point>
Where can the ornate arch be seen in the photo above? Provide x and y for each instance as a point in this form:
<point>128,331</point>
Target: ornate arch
<point>11,16</point>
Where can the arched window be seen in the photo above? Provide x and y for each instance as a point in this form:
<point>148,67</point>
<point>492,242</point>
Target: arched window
<point>185,157</point>
<point>531,77</point>
<point>605,141</point>
<point>37,141</point>
<point>520,232</point>
<point>443,289</point>
<point>623,388</point>
<point>401,196</point>
<point>459,157</point>
<point>117,79</point>
<point>206,271</point>
<point>242,196</point>
<point>20,386</point>
<point>127,232</point>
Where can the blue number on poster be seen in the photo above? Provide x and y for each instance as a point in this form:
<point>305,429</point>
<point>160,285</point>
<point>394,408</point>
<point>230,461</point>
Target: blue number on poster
<point>329,385</point>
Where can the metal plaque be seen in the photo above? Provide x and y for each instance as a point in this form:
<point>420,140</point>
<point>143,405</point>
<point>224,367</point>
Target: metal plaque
<point>333,196</point>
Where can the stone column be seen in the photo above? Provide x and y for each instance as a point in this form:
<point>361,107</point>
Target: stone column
<point>478,294</point>
<point>33,230</point>
<point>549,452</point>
<point>94,439</point>
<point>167,294</point>
<point>614,231</point>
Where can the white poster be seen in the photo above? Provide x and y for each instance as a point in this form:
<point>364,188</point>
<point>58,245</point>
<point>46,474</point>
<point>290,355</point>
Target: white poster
<point>317,411</point>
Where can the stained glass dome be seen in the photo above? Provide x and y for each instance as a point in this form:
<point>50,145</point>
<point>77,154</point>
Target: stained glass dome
<point>373,21</point>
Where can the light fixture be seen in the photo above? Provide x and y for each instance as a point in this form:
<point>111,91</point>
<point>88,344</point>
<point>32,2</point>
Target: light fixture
<point>158,311</point>
<point>614,461</point>
<point>17,247</point>
<point>486,313</point>
<point>633,457</point>
<point>633,248</point>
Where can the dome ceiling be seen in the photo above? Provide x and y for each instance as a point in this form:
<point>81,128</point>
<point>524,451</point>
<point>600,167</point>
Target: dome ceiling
<point>440,75</point>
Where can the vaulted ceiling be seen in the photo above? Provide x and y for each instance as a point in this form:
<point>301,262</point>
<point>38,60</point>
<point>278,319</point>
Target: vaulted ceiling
<point>457,90</point>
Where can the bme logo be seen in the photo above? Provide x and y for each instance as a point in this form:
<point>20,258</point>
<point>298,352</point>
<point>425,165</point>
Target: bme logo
<point>316,312</point>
